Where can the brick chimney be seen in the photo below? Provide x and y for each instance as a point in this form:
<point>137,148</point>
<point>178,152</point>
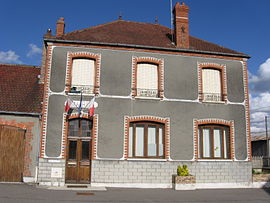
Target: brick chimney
<point>60,27</point>
<point>181,30</point>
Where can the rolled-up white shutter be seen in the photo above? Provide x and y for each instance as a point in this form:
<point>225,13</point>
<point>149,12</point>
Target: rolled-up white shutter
<point>147,76</point>
<point>83,72</point>
<point>211,81</point>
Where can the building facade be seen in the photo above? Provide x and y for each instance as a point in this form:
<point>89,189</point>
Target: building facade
<point>164,99</point>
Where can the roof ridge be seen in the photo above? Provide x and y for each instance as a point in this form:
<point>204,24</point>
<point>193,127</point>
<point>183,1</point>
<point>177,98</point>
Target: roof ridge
<point>88,28</point>
<point>112,22</point>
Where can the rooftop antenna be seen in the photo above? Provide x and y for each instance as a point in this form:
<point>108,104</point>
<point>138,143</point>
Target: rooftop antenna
<point>171,21</point>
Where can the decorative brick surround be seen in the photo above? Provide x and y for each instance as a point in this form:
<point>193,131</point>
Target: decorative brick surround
<point>245,78</point>
<point>45,101</point>
<point>165,121</point>
<point>160,65</point>
<point>74,55</point>
<point>94,133</point>
<point>222,69</point>
<point>28,139</point>
<point>196,124</point>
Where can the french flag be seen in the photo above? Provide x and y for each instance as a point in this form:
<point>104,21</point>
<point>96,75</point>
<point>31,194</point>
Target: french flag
<point>91,107</point>
<point>68,104</point>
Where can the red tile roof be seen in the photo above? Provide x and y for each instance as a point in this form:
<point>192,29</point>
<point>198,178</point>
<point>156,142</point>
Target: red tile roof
<point>19,88</point>
<point>134,33</point>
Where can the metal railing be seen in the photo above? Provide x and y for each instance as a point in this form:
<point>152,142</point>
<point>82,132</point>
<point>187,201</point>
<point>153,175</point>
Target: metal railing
<point>147,92</point>
<point>212,97</point>
<point>86,89</point>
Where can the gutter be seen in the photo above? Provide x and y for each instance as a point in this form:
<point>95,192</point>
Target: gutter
<point>146,47</point>
<point>20,113</point>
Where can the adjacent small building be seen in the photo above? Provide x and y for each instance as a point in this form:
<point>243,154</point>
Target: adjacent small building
<point>20,115</point>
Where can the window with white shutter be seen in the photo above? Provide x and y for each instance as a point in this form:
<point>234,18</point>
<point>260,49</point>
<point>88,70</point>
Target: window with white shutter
<point>147,80</point>
<point>83,75</point>
<point>211,85</point>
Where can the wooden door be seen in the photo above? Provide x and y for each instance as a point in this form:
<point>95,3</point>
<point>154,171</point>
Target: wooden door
<point>12,141</point>
<point>78,164</point>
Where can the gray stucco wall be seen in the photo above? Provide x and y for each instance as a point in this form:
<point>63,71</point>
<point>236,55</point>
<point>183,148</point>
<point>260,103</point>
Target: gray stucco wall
<point>181,82</point>
<point>34,142</point>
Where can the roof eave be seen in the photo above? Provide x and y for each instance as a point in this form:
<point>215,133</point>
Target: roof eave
<point>20,113</point>
<point>146,47</point>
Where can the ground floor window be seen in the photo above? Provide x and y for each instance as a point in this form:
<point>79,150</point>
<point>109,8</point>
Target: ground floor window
<point>214,142</point>
<point>146,140</point>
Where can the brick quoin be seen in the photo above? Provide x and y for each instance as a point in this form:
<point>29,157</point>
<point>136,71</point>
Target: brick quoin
<point>28,139</point>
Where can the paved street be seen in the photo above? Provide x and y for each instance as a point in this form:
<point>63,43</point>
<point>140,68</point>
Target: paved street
<point>10,193</point>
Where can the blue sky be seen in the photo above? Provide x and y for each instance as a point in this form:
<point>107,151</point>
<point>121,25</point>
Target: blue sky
<point>242,25</point>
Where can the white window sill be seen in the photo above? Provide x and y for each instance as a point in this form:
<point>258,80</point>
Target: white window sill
<point>70,93</point>
<point>215,160</point>
<point>214,102</point>
<point>146,159</point>
<point>148,98</point>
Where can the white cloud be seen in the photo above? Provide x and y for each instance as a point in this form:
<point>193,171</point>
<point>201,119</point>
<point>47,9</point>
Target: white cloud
<point>259,108</point>
<point>34,50</point>
<point>9,57</point>
<point>261,81</point>
<point>259,85</point>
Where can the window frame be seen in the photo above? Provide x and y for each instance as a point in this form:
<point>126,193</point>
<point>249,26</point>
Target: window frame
<point>94,77</point>
<point>223,81</point>
<point>211,140</point>
<point>145,125</point>
<point>83,55</point>
<point>160,71</point>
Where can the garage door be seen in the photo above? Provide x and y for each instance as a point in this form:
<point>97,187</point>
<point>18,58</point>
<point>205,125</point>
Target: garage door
<point>11,153</point>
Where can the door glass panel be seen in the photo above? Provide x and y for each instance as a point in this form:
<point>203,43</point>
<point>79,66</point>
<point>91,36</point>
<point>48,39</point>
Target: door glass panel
<point>217,142</point>
<point>139,141</point>
<point>226,143</point>
<point>72,149</point>
<point>161,146</point>
<point>86,128</point>
<point>73,129</point>
<point>152,147</point>
<point>85,150</point>
<point>206,142</point>
<point>130,140</point>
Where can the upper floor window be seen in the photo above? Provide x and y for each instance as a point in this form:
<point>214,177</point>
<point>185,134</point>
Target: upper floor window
<point>83,76</point>
<point>147,80</point>
<point>214,142</point>
<point>211,83</point>
<point>146,140</point>
<point>147,77</point>
<point>83,72</point>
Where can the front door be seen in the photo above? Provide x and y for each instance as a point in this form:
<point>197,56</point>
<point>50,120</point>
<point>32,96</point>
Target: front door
<point>78,164</point>
<point>12,141</point>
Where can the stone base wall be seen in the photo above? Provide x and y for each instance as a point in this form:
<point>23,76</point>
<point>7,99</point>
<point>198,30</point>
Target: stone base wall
<point>51,172</point>
<point>149,173</point>
<point>154,172</point>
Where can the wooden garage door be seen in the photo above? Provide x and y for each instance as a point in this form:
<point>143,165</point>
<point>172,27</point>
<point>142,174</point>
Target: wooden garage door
<point>11,153</point>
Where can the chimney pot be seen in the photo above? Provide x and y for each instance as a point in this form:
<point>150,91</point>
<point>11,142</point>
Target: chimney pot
<point>60,27</point>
